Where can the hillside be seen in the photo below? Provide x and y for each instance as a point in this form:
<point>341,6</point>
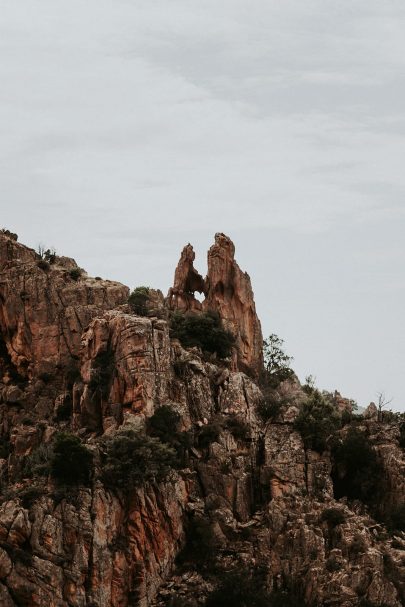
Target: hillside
<point>152,455</point>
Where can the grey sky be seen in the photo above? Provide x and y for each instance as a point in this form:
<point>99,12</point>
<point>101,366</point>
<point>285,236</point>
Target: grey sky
<point>129,128</point>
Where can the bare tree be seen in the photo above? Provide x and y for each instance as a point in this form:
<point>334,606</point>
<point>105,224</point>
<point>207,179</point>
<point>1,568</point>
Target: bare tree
<point>383,402</point>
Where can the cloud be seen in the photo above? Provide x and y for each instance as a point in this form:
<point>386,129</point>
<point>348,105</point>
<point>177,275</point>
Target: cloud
<point>170,122</point>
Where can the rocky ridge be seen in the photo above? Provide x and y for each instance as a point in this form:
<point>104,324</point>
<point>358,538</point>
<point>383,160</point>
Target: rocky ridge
<point>75,358</point>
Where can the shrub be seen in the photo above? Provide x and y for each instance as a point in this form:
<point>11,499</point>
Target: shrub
<point>138,301</point>
<point>101,375</point>
<point>50,255</point>
<point>203,330</point>
<point>75,273</point>
<point>209,434</point>
<point>72,462</point>
<point>357,472</point>
<point>9,234</point>
<point>333,516</point>
<point>164,423</point>
<point>316,422</point>
<point>276,362</point>
<point>269,407</point>
<point>29,495</point>
<point>237,427</point>
<point>133,459</point>
<point>43,265</point>
<point>38,463</point>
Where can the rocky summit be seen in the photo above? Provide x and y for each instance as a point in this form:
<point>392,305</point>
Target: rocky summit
<point>154,451</point>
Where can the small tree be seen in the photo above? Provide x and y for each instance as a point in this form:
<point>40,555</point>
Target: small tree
<point>316,422</point>
<point>276,361</point>
<point>138,300</point>
<point>357,472</point>
<point>132,459</point>
<point>204,330</point>
<point>72,462</point>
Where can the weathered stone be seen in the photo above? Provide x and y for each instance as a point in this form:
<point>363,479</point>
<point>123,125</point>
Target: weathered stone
<point>228,291</point>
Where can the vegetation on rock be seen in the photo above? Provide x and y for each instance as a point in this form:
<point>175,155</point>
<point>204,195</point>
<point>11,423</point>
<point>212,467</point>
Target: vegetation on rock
<point>357,472</point>
<point>203,330</point>
<point>71,462</point>
<point>133,458</point>
<point>138,300</point>
<point>317,421</point>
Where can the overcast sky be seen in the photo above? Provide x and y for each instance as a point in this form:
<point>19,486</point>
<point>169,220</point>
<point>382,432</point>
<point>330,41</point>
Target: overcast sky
<point>130,128</point>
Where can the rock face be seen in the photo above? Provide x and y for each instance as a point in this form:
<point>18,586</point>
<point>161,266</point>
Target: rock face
<point>186,282</point>
<point>246,494</point>
<point>43,310</point>
<point>133,356</point>
<point>227,291</point>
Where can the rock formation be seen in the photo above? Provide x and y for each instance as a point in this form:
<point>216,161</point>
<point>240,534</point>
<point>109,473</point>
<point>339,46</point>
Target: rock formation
<point>246,494</point>
<point>186,282</point>
<point>44,308</point>
<point>227,291</point>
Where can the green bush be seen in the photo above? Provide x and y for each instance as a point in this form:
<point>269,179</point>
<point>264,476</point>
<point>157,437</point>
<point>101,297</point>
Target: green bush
<point>50,256</point>
<point>270,407</point>
<point>276,362</point>
<point>164,423</point>
<point>209,434</point>
<point>333,516</point>
<point>132,459</point>
<point>38,463</point>
<point>75,273</point>
<point>316,422</point>
<point>204,330</point>
<point>357,472</point>
<point>138,301</point>
<point>71,462</point>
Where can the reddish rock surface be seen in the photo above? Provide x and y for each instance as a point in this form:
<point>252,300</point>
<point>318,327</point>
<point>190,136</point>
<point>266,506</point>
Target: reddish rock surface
<point>258,493</point>
<point>227,291</point>
<point>43,312</point>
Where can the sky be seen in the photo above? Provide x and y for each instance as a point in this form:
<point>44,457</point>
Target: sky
<point>130,128</point>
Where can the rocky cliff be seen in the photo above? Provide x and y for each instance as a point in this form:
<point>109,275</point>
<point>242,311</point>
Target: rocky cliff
<point>227,291</point>
<point>247,493</point>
